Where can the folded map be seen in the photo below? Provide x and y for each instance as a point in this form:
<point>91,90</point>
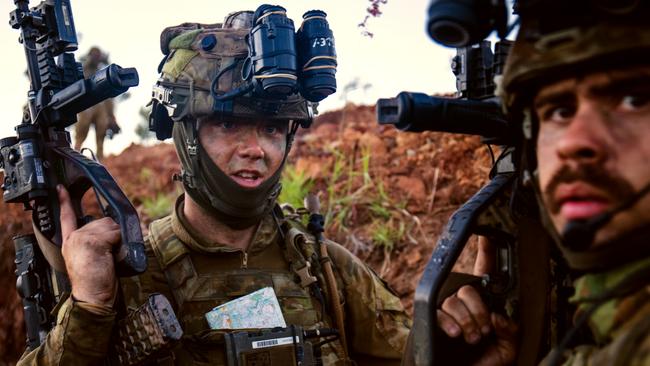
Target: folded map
<point>259,309</point>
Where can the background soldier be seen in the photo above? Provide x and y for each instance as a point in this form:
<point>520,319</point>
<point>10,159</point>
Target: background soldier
<point>226,236</point>
<point>102,115</point>
<point>578,77</point>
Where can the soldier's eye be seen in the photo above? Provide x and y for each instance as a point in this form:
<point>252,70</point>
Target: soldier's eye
<point>635,101</point>
<point>271,129</point>
<point>556,113</point>
<point>227,125</point>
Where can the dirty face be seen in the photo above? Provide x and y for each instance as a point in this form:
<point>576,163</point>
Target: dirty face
<point>248,151</point>
<point>593,148</point>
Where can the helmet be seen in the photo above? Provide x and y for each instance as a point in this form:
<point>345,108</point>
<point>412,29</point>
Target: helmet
<point>205,60</point>
<point>221,70</point>
<point>556,38</point>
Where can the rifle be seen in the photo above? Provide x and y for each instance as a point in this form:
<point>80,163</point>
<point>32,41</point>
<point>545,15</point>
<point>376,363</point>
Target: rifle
<point>40,157</point>
<point>530,277</point>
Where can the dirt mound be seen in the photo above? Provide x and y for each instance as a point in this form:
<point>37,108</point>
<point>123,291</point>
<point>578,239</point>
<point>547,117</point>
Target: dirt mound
<point>386,196</point>
<point>417,179</point>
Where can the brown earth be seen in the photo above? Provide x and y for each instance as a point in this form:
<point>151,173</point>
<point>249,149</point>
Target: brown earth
<point>377,176</point>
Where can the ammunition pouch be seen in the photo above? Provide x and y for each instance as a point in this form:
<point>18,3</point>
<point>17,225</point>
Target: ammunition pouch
<point>145,332</point>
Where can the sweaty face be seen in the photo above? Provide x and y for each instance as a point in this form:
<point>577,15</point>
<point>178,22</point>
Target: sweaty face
<point>249,152</point>
<point>593,148</point>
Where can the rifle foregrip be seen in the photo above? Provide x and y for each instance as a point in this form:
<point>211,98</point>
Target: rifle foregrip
<point>151,328</point>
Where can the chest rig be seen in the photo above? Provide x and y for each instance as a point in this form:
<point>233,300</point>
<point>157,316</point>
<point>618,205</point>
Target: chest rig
<point>287,261</point>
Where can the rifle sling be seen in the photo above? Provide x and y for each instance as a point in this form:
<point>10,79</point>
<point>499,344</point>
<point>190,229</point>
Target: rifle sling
<point>51,251</point>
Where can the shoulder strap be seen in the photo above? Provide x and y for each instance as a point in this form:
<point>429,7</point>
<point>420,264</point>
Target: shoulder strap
<point>169,250</point>
<point>299,237</point>
<point>165,244</point>
<point>298,248</point>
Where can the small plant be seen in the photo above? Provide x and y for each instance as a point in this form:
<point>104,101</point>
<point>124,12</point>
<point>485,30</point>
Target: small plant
<point>159,206</point>
<point>295,186</point>
<point>356,202</point>
<point>146,174</point>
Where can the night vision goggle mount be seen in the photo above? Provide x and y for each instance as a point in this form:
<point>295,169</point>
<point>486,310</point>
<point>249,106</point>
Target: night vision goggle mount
<point>284,74</point>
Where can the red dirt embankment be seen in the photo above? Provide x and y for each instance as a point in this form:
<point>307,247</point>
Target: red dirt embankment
<point>412,181</point>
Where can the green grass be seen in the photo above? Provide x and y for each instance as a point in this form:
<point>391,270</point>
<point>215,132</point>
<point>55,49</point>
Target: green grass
<point>295,186</point>
<point>354,200</point>
<point>159,206</point>
<point>354,203</point>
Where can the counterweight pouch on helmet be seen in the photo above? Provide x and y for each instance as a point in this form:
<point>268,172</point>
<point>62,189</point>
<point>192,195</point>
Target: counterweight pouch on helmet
<point>276,347</point>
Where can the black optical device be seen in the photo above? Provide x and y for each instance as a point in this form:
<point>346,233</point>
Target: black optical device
<point>316,56</point>
<point>476,111</point>
<point>282,62</point>
<point>461,23</point>
<point>272,50</point>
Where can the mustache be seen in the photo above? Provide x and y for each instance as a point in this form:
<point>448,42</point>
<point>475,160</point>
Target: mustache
<point>616,187</point>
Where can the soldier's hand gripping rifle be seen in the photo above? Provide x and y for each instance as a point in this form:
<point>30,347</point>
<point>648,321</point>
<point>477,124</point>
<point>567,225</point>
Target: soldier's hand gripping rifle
<point>40,157</point>
<point>500,211</point>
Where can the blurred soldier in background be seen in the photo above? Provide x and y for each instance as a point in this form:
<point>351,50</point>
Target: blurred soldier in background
<point>101,115</point>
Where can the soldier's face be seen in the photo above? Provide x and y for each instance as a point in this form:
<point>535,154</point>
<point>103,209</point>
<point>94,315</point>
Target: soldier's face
<point>249,152</point>
<point>593,148</point>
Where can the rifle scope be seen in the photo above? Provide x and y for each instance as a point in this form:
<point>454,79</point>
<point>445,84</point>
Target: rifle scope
<point>417,112</point>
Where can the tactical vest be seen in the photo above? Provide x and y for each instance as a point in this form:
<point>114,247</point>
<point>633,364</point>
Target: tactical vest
<point>201,281</point>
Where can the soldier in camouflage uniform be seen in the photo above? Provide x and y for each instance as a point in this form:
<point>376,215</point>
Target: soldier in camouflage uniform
<point>578,76</point>
<point>226,236</point>
<point>101,115</point>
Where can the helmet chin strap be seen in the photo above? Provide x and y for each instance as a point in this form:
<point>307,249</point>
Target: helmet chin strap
<point>214,191</point>
<point>577,237</point>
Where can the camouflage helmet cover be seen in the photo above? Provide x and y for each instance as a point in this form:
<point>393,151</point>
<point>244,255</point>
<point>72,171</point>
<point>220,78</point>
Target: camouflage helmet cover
<point>196,53</point>
<point>559,38</point>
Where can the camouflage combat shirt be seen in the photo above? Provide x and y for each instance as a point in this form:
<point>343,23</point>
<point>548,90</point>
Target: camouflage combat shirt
<point>620,326</point>
<point>376,324</point>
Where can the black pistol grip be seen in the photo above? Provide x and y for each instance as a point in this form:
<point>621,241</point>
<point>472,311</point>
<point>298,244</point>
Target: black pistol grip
<point>81,174</point>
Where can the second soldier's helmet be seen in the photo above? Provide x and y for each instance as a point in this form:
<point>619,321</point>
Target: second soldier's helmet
<point>559,38</point>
